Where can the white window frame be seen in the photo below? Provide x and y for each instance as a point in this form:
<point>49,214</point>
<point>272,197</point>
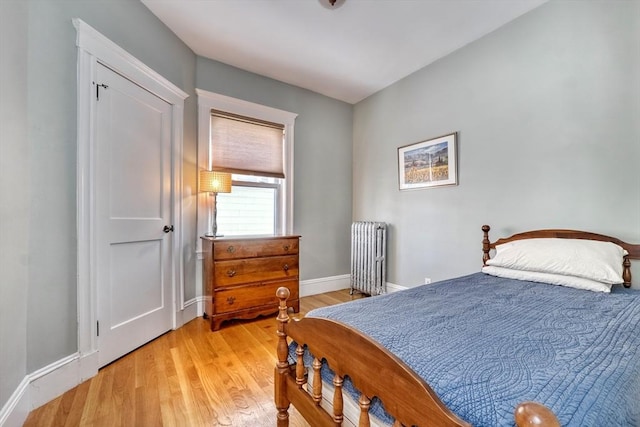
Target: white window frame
<point>208,101</point>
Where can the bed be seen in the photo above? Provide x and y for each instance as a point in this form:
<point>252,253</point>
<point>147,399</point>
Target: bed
<point>487,350</point>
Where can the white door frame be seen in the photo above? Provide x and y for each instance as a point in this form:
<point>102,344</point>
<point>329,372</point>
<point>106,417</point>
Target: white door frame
<point>94,48</point>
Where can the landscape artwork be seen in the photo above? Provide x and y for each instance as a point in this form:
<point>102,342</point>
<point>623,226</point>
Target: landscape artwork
<point>428,163</point>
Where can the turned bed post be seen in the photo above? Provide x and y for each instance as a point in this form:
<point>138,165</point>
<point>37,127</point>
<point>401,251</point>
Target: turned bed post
<point>364,404</point>
<point>533,414</point>
<point>626,272</point>
<point>486,244</point>
<point>300,378</point>
<point>282,367</point>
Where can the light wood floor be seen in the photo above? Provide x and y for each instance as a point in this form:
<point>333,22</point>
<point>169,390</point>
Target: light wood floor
<point>187,377</point>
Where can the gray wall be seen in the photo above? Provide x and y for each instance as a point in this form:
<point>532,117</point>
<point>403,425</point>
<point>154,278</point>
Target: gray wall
<point>50,159</point>
<point>322,162</point>
<point>547,110</point>
<point>14,196</point>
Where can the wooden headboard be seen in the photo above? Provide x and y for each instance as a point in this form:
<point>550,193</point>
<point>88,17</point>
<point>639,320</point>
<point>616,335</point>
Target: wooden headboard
<point>634,250</point>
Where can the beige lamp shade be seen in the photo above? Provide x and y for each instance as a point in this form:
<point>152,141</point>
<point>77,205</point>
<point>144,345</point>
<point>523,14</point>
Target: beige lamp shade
<point>215,182</point>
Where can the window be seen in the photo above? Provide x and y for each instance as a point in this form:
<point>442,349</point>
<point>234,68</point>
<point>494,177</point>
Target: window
<point>252,150</point>
<point>251,207</point>
<point>255,144</point>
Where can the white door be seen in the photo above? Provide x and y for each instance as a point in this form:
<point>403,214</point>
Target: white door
<point>133,206</point>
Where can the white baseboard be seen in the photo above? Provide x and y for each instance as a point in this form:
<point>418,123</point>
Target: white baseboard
<point>16,410</point>
<point>323,284</point>
<point>392,287</point>
<point>46,384</point>
<point>335,283</point>
<point>192,309</point>
<point>53,380</point>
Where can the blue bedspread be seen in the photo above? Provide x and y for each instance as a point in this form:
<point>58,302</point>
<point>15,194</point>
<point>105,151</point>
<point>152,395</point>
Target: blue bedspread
<point>485,344</point>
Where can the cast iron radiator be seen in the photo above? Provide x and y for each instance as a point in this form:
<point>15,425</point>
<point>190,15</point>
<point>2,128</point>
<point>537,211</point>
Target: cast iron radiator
<point>368,257</point>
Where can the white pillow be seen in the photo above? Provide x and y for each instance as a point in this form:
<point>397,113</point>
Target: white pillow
<point>589,259</point>
<point>554,279</point>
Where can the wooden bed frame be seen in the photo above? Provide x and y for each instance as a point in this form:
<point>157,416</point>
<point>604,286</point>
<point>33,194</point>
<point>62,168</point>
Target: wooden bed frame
<point>375,371</point>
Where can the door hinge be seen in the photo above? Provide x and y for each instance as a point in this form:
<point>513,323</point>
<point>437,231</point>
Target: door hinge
<point>98,86</point>
<point>98,328</point>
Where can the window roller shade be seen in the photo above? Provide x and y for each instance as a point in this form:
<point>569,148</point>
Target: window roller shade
<point>246,146</point>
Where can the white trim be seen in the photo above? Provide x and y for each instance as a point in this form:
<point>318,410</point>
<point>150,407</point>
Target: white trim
<point>245,108</point>
<point>192,309</point>
<point>44,385</point>
<point>324,284</point>
<point>335,283</point>
<point>87,308</point>
<point>392,287</point>
<point>208,101</point>
<point>121,61</point>
<point>288,183</point>
<point>177,120</point>
<point>94,48</point>
<point>53,380</point>
<point>17,408</point>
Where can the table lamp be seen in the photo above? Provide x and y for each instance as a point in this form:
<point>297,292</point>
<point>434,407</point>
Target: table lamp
<point>214,182</point>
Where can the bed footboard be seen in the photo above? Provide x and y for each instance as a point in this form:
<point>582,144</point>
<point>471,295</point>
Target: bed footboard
<point>373,370</point>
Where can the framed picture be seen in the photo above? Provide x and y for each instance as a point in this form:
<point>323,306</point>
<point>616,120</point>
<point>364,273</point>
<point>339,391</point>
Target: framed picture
<point>429,163</point>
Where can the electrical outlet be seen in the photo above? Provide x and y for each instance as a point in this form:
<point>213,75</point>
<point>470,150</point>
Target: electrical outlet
<point>427,281</point>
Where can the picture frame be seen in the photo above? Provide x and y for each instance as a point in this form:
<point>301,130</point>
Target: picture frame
<point>429,163</point>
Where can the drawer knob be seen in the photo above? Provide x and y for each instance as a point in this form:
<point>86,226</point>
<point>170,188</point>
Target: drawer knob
<point>286,248</point>
<point>231,249</point>
<point>285,267</point>
<point>231,300</point>
<point>231,273</point>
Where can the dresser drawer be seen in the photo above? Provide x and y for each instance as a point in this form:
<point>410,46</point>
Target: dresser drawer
<point>233,249</point>
<point>241,276</point>
<point>251,296</point>
<point>235,272</point>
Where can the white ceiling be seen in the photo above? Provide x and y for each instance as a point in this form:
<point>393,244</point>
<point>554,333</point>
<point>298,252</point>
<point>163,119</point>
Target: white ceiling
<point>347,53</point>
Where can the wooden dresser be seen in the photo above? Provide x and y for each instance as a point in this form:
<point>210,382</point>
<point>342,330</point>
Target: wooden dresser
<point>241,276</point>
